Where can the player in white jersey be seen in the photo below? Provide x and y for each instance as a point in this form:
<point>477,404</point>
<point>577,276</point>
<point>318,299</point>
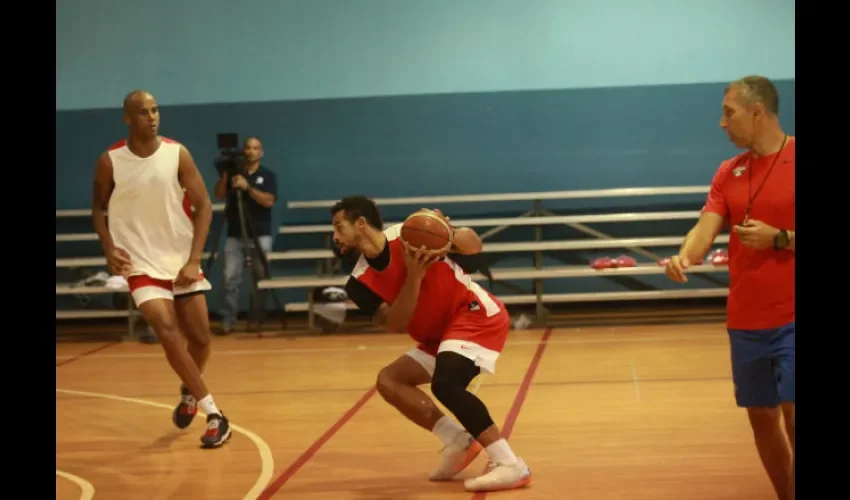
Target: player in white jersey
<point>148,186</point>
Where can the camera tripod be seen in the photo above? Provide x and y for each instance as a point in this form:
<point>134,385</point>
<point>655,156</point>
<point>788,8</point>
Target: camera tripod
<point>258,299</point>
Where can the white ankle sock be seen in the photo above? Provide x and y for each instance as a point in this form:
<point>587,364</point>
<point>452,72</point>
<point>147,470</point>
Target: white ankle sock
<point>501,452</point>
<point>208,405</point>
<point>447,430</point>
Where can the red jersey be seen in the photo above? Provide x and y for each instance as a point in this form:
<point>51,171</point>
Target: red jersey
<point>761,282</point>
<point>450,304</point>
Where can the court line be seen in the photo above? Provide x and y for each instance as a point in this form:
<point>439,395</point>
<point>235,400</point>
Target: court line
<point>86,488</point>
<point>71,359</point>
<point>635,379</point>
<point>266,459</point>
<point>552,383</point>
<point>396,347</point>
<point>305,457</point>
<point>521,393</point>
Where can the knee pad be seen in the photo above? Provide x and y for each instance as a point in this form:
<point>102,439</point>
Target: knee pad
<point>449,387</point>
<point>447,392</point>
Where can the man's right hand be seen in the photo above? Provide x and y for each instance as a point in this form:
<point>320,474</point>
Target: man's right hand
<point>118,261</point>
<point>418,260</point>
<point>675,268</point>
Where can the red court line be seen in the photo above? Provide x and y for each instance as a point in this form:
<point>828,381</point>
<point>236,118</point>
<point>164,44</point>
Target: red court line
<point>87,353</point>
<point>307,455</point>
<point>511,418</point>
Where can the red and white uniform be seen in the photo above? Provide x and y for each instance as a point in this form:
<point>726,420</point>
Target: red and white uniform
<point>453,312</point>
<point>150,217</point>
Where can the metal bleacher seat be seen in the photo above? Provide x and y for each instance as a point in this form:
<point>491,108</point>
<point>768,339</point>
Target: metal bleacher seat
<point>537,217</point>
<point>90,262</point>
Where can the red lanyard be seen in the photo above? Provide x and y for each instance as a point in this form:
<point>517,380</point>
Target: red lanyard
<point>752,197</point>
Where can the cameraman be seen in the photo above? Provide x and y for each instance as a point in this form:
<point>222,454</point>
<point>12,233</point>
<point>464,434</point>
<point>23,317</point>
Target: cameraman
<point>258,185</point>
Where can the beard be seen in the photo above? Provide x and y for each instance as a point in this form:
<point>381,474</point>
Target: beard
<point>347,248</point>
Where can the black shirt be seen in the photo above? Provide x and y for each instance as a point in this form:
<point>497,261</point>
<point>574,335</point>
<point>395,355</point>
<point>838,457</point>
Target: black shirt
<point>259,217</point>
<point>367,300</point>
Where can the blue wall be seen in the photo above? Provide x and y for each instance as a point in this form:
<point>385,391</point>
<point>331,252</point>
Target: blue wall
<point>213,51</point>
<point>411,98</point>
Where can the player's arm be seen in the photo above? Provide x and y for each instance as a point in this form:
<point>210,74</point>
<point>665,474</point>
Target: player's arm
<point>190,178</point>
<point>393,319</point>
<point>264,195</point>
<point>103,187</point>
<point>700,238</point>
<point>466,241</point>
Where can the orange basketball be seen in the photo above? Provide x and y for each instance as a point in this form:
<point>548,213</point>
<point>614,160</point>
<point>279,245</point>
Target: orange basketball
<point>427,229</point>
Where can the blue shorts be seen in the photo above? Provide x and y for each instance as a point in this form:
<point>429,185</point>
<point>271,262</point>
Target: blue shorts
<point>763,366</point>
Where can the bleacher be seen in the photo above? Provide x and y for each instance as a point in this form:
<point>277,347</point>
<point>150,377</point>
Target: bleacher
<point>68,288</point>
<point>537,218</point>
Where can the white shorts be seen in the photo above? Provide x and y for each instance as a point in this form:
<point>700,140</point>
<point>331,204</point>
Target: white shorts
<point>144,288</point>
<point>481,356</point>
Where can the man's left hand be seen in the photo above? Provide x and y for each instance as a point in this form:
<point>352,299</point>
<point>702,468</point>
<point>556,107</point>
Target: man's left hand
<point>239,182</point>
<point>190,273</point>
<point>756,234</point>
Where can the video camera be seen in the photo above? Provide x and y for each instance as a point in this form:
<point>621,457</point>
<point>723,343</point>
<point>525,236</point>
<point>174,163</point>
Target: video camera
<point>231,158</point>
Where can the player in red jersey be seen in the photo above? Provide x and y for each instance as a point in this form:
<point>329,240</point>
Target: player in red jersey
<point>148,185</point>
<point>461,330</point>
<point>754,194</point>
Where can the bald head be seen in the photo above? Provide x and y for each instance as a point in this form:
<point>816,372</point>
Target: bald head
<point>753,90</point>
<point>136,97</point>
<point>141,114</point>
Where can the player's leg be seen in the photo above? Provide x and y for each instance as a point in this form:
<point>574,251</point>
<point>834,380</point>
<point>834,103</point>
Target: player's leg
<point>160,314</point>
<point>193,315</point>
<point>398,383</point>
<point>756,389</point>
<point>193,318</point>
<point>459,360</point>
<point>155,301</point>
<point>452,375</point>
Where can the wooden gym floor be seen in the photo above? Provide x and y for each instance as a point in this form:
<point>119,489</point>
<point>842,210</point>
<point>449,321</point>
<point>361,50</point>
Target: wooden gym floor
<point>624,412</point>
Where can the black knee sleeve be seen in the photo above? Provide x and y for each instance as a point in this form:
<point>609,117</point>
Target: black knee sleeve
<point>452,375</point>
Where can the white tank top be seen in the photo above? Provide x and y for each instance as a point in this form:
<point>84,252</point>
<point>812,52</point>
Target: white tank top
<point>149,213</point>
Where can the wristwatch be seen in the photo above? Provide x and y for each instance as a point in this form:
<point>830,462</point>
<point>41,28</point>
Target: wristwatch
<point>781,240</point>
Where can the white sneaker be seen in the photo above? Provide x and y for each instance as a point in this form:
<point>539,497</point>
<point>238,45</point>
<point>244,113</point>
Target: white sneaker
<point>456,457</point>
<point>500,477</point>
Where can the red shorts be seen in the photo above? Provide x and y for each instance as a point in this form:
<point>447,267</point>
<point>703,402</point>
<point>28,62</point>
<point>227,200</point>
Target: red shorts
<point>473,335</point>
<point>144,288</point>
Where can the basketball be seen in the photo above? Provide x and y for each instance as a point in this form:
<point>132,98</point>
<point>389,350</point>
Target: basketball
<point>427,229</point>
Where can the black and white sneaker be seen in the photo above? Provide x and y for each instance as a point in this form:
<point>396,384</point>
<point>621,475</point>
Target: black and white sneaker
<point>217,433</point>
<point>186,410</point>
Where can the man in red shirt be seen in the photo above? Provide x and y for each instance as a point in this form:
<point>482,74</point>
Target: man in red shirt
<point>753,193</point>
<point>460,327</point>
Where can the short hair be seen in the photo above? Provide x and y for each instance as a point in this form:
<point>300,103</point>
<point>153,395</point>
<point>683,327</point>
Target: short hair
<point>255,137</point>
<point>357,206</point>
<point>755,89</point>
<point>131,96</point>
